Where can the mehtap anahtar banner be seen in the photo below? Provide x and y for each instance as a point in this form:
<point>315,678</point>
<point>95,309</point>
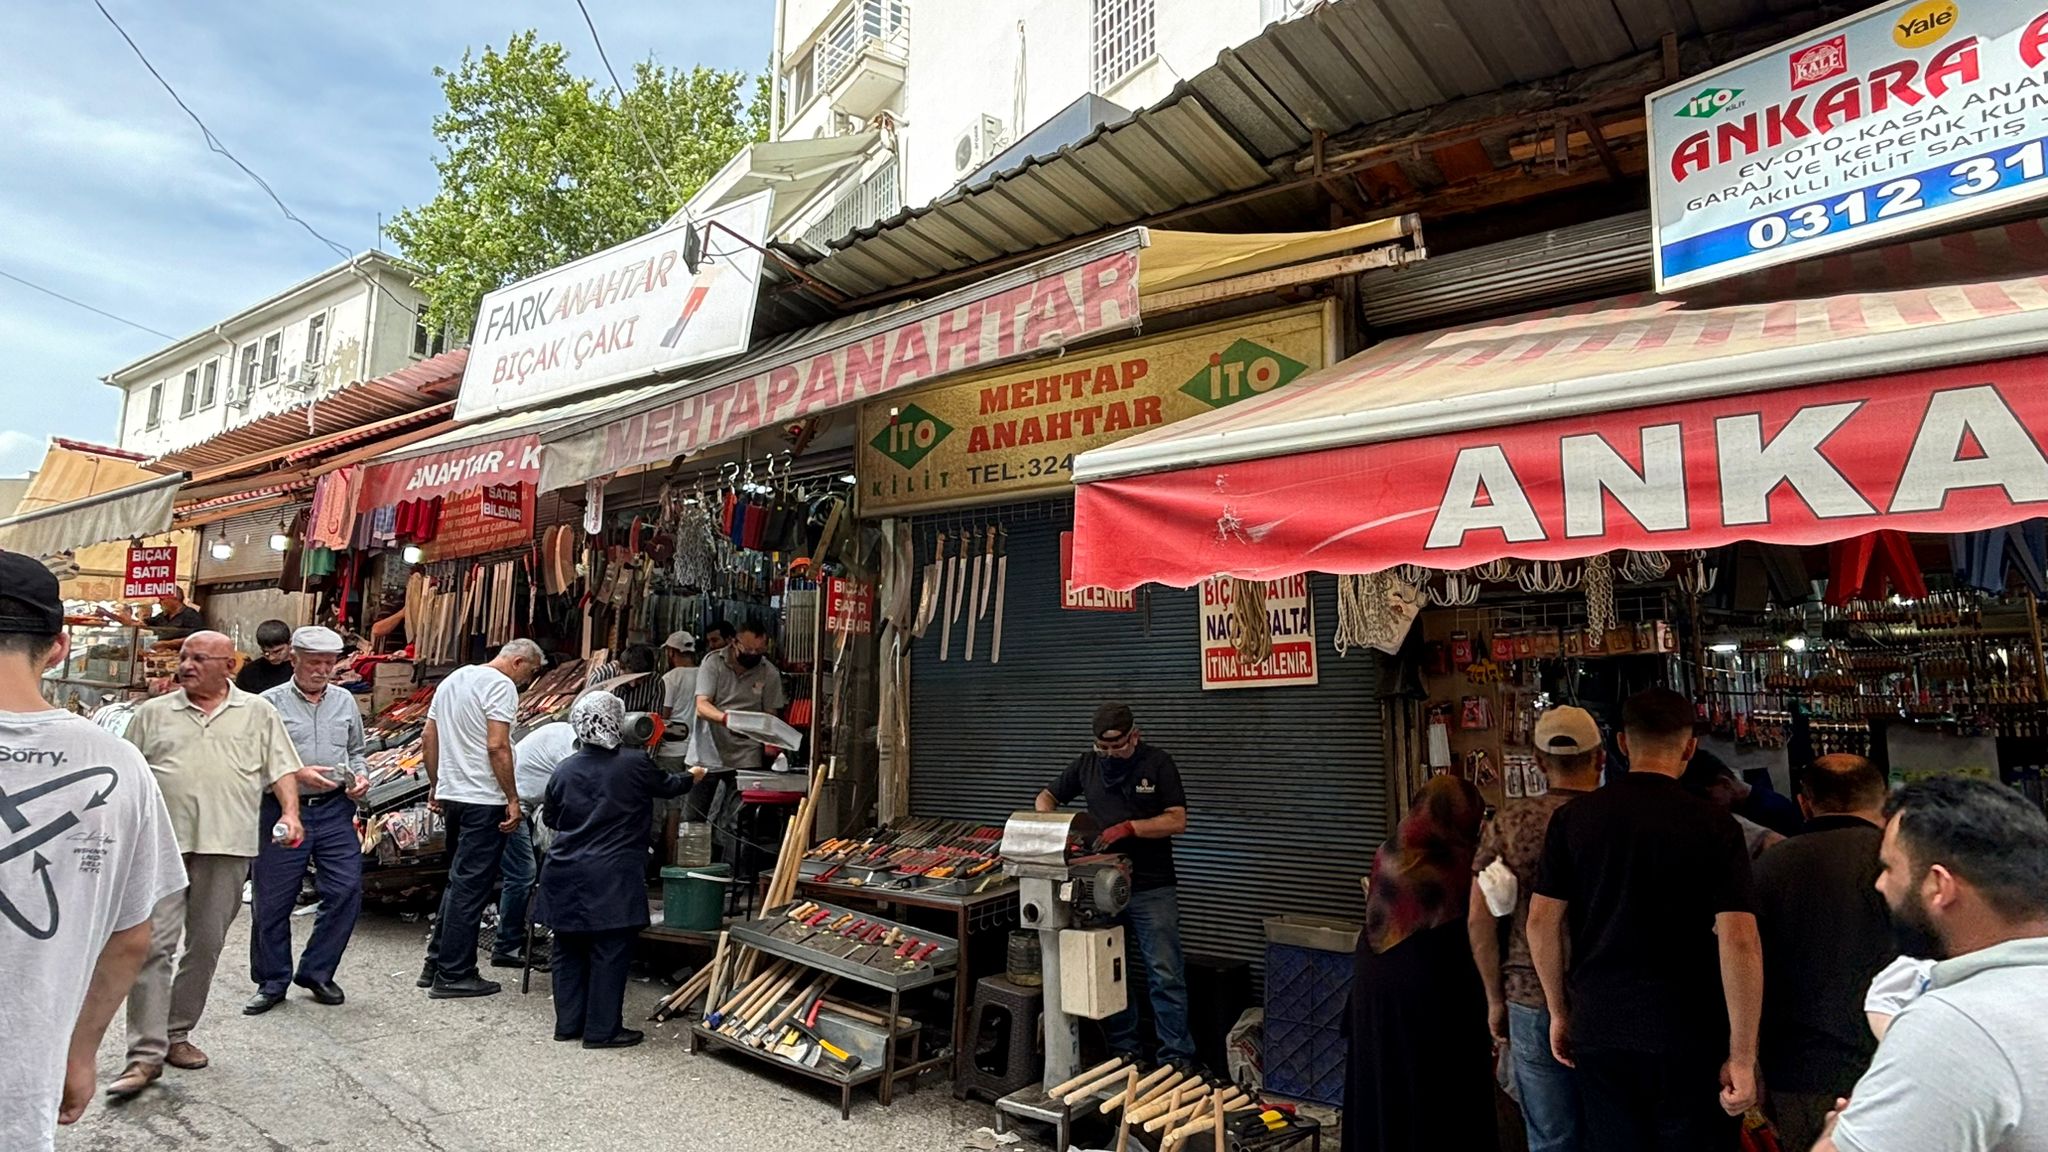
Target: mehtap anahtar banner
<point>1901,119</point>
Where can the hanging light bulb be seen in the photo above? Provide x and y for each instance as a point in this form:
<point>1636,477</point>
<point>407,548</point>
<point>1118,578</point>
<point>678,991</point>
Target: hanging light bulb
<point>849,478</point>
<point>410,554</point>
<point>1795,643</point>
<point>221,549</point>
<point>1725,642</point>
<point>280,539</point>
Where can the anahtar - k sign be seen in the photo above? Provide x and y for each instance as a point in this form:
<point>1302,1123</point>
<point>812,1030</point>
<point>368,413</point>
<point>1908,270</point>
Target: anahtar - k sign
<point>1904,118</point>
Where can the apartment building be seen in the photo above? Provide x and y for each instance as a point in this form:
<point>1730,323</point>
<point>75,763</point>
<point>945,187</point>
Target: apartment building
<point>355,321</point>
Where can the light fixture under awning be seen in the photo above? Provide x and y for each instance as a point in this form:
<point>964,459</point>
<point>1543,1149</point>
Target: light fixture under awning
<point>137,510</point>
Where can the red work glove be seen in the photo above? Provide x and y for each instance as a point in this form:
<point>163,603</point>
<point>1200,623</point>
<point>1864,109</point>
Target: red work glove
<point>1114,833</point>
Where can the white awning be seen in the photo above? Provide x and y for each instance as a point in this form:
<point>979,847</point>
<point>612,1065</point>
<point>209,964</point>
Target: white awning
<point>795,169</point>
<point>138,510</point>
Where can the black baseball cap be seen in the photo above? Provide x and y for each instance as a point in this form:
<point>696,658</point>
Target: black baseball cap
<point>30,599</point>
<point>1112,717</point>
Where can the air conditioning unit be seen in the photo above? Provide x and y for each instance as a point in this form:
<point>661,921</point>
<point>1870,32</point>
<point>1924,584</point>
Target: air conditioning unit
<point>301,377</point>
<point>978,145</point>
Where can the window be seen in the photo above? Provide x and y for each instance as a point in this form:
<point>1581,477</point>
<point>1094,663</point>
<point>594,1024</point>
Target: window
<point>273,345</point>
<point>248,376</point>
<point>425,343</point>
<point>316,340</point>
<point>190,401</point>
<point>799,85</point>
<point>209,383</point>
<point>156,406</point>
<point>1123,38</point>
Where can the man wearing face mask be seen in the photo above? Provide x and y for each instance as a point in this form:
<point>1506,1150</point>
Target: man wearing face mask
<point>1133,792</point>
<point>735,678</point>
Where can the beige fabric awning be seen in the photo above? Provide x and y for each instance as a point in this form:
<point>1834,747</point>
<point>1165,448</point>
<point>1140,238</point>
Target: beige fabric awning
<point>137,510</point>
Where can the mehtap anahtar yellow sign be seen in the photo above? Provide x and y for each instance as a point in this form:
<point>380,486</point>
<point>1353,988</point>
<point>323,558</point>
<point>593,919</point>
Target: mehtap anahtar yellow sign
<point>1013,433</point>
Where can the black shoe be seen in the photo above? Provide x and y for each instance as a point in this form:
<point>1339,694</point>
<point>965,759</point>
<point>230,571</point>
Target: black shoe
<point>568,1036</point>
<point>427,974</point>
<point>517,960</point>
<point>623,1038</point>
<point>471,985</point>
<point>262,1002</point>
<point>324,991</point>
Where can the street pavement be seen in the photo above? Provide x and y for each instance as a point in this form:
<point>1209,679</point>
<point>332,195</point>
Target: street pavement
<point>393,1070</point>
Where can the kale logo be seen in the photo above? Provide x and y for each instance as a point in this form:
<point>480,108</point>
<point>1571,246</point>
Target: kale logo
<point>910,435</point>
<point>1241,370</point>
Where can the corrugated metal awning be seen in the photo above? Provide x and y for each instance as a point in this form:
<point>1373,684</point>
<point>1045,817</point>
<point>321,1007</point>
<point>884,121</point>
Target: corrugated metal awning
<point>142,509</point>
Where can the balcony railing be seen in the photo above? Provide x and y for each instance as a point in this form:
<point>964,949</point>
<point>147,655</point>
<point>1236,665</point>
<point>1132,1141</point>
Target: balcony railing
<point>872,199</point>
<point>879,25</point>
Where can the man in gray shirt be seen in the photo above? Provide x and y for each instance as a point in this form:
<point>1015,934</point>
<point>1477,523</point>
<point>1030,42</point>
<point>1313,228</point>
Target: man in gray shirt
<point>736,678</point>
<point>1964,1068</point>
<point>327,729</point>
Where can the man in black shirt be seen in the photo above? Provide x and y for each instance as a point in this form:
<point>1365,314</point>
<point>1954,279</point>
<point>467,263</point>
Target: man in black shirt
<point>174,618</point>
<point>1647,889</point>
<point>1133,791</point>
<point>1826,934</point>
<point>273,666</point>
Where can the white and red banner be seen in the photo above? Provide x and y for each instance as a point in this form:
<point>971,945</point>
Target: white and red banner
<point>1033,316</point>
<point>1089,597</point>
<point>151,572</point>
<point>513,460</point>
<point>1289,616</point>
<point>849,607</point>
<point>1949,450</point>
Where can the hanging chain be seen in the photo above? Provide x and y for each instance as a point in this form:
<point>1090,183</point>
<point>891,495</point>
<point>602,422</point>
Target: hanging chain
<point>1598,571</point>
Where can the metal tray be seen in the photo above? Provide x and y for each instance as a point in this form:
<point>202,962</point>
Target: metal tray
<point>938,966</point>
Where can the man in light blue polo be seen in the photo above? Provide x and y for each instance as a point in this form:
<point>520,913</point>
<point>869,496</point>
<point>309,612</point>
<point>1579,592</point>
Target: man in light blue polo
<point>327,729</point>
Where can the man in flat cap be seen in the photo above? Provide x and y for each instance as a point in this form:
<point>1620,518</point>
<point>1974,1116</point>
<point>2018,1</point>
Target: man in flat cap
<point>327,729</point>
<point>1133,792</point>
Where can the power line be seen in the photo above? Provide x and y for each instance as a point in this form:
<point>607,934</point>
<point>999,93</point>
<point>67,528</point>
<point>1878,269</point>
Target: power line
<point>84,305</point>
<point>628,106</point>
<point>213,142</point>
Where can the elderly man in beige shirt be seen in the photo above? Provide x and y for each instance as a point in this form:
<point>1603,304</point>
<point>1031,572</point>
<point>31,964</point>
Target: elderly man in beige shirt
<point>214,750</point>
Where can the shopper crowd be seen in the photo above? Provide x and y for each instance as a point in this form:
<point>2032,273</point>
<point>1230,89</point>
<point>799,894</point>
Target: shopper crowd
<point>1875,981</point>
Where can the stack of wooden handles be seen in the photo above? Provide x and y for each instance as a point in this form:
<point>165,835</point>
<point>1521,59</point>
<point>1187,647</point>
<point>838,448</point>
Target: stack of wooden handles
<point>1165,1100</point>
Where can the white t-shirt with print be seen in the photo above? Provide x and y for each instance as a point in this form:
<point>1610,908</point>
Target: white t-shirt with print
<point>463,705</point>
<point>86,850</point>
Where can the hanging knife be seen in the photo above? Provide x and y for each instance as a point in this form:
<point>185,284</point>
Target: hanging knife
<point>957,579</point>
<point>977,588</point>
<point>988,584</point>
<point>948,597</point>
<point>1002,587</point>
<point>927,601</point>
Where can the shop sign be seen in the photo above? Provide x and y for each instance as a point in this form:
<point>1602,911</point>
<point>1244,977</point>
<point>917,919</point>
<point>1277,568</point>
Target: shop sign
<point>1013,434</point>
<point>1902,119</point>
<point>151,572</point>
<point>501,501</point>
<point>628,311</point>
<point>1088,597</point>
<point>1292,620</point>
<point>849,607</point>
<point>466,530</point>
<point>1033,316</point>
<point>513,460</point>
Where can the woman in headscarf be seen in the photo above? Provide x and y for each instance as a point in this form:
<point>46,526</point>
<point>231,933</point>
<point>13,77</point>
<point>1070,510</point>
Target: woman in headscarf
<point>600,802</point>
<point>1419,1072</point>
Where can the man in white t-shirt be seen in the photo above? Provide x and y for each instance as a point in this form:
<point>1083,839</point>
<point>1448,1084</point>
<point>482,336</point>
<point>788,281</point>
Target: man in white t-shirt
<point>468,746</point>
<point>679,683</point>
<point>86,851</point>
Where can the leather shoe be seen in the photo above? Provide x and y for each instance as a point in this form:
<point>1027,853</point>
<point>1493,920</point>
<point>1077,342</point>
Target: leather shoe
<point>133,1079</point>
<point>185,1054</point>
<point>262,1002</point>
<point>568,1036</point>
<point>427,974</point>
<point>623,1038</point>
<point>460,989</point>
<point>324,991</point>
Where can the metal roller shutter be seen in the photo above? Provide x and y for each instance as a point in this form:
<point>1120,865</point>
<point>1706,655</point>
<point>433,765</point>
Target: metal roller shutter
<point>1286,786</point>
<point>1564,264</point>
<point>249,533</point>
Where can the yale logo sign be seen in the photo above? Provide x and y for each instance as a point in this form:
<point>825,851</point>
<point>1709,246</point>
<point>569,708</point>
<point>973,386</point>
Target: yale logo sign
<point>910,434</point>
<point>1244,369</point>
<point>1924,23</point>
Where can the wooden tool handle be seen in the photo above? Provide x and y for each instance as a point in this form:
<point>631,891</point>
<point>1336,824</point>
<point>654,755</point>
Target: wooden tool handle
<point>1095,1085</point>
<point>1134,1094</point>
<point>1093,1073</point>
<point>1160,1105</point>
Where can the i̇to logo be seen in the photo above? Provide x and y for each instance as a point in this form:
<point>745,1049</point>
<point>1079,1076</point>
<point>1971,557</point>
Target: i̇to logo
<point>910,434</point>
<point>1708,103</point>
<point>1241,370</point>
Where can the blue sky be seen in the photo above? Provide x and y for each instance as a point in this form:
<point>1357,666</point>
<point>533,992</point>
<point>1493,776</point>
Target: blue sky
<point>109,194</point>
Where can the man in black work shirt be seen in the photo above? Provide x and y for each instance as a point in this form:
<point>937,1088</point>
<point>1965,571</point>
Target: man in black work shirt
<point>1665,977</point>
<point>1133,792</point>
<point>1826,934</point>
<point>174,618</point>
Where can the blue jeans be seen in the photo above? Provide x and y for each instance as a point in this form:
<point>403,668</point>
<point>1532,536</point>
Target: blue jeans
<point>516,871</point>
<point>475,848</point>
<point>1550,1091</point>
<point>1152,939</point>
<point>332,848</point>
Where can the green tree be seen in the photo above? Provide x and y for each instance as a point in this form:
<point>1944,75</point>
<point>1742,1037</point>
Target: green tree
<point>542,166</point>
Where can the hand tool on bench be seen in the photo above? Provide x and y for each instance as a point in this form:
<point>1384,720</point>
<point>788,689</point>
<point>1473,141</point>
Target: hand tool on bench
<point>845,1061</point>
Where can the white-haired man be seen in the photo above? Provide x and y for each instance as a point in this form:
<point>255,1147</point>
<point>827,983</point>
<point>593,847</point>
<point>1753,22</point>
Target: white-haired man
<point>468,746</point>
<point>327,729</point>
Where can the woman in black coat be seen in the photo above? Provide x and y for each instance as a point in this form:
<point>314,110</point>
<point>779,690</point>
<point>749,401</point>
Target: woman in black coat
<point>600,802</point>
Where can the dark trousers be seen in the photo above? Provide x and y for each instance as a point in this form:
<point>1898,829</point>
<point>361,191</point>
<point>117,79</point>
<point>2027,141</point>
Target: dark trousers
<point>1653,1102</point>
<point>331,847</point>
<point>475,849</point>
<point>590,982</point>
<point>697,805</point>
<point>1152,945</point>
<point>518,866</point>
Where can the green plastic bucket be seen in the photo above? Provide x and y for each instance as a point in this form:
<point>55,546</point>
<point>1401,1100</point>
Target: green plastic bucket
<point>693,899</point>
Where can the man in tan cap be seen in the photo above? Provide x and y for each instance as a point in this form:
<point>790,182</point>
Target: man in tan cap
<point>1567,745</point>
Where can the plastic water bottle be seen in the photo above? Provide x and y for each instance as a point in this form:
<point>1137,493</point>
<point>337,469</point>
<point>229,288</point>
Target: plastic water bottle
<point>693,844</point>
<point>280,833</point>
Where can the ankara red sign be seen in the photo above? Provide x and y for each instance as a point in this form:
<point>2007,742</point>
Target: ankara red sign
<point>1950,450</point>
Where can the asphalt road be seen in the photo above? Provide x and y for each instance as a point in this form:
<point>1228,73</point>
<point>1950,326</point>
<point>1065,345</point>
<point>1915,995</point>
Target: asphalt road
<point>393,1070</point>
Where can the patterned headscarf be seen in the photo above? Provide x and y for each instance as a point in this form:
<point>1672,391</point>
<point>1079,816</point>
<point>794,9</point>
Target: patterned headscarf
<point>1422,877</point>
<point>597,718</point>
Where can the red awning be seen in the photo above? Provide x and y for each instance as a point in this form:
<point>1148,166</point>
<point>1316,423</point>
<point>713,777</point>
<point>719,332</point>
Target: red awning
<point>1637,422</point>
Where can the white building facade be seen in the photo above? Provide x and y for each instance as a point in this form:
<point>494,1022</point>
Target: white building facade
<point>952,85</point>
<point>356,321</point>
